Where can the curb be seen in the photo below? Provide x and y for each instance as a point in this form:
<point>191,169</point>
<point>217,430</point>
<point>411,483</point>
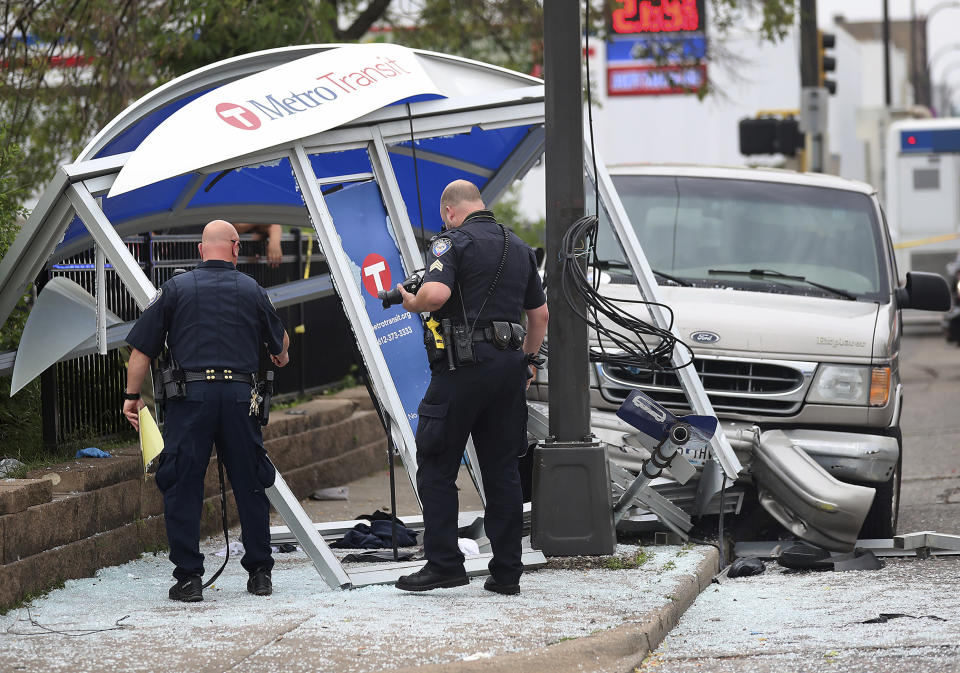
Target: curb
<point>620,649</point>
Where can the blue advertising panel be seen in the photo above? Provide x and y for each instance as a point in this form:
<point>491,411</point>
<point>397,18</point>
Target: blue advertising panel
<point>361,221</point>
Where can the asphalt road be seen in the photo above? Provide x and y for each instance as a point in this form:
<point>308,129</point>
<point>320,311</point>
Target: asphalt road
<point>825,621</point>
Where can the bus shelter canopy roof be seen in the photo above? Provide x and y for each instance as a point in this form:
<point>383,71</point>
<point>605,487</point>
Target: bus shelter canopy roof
<point>185,153</point>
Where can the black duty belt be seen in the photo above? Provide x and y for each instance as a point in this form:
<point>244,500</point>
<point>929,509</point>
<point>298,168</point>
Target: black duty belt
<point>190,375</point>
<point>487,334</point>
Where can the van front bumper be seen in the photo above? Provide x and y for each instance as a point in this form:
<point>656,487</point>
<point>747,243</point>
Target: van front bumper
<point>848,456</point>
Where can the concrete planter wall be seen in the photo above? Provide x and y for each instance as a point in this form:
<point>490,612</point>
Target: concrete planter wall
<point>68,520</point>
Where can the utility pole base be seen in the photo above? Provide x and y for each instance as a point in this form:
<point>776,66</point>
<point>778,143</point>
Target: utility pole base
<point>571,514</point>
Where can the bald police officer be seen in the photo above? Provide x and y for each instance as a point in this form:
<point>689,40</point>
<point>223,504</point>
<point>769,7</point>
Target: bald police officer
<point>214,320</point>
<point>479,277</point>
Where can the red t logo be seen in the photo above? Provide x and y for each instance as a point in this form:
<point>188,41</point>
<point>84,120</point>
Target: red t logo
<point>238,116</point>
<point>375,274</point>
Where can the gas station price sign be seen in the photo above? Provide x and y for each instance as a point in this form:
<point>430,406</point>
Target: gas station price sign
<point>657,16</point>
<point>656,47</point>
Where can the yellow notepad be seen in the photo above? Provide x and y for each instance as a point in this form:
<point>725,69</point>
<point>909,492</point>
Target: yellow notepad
<point>151,441</point>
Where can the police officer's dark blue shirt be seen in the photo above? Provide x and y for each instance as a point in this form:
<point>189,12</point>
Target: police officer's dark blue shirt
<point>466,258</point>
<point>213,316</point>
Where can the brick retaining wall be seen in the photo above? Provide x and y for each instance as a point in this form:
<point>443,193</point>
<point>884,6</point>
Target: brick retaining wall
<point>68,520</point>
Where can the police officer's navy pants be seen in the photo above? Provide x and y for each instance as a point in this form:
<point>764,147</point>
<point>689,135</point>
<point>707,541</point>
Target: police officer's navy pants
<point>214,413</point>
<point>488,401</point>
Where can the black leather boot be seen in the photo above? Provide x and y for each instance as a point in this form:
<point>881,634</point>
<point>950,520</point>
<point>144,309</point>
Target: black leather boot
<point>189,590</point>
<point>260,583</point>
<point>426,579</point>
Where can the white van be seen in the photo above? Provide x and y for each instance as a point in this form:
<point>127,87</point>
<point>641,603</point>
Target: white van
<point>785,286</point>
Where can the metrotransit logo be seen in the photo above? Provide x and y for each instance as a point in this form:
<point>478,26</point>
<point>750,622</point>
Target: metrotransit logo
<point>238,116</point>
<point>275,106</point>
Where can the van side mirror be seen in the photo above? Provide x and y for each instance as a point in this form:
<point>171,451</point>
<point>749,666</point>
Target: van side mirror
<point>924,291</point>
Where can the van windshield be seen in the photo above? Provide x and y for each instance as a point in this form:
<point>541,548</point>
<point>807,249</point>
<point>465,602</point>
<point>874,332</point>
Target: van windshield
<point>752,235</point>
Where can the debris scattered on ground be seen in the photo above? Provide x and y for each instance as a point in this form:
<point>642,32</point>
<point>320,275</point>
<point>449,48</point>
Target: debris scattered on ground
<point>8,466</point>
<point>884,617</point>
<point>92,452</point>
<point>332,493</point>
<point>746,566</point>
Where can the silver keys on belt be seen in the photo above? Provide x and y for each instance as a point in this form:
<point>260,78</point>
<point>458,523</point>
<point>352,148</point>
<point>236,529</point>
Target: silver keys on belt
<point>255,400</point>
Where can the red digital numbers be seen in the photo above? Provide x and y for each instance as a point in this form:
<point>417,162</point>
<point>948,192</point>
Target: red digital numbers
<point>656,16</point>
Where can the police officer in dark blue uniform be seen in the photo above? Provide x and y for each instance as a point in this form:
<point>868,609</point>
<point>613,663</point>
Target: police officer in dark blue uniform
<point>214,320</point>
<point>479,278</point>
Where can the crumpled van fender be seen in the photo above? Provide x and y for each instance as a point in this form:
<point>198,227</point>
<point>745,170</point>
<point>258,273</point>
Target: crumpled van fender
<point>804,497</point>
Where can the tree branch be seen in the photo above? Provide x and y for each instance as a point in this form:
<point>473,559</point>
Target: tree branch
<point>362,23</point>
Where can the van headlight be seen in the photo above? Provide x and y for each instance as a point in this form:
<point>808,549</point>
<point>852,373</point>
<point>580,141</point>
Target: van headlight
<point>851,384</point>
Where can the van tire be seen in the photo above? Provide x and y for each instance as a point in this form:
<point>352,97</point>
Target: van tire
<point>881,521</point>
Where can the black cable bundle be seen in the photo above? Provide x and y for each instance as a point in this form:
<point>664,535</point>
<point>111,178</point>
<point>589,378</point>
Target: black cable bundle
<point>641,344</point>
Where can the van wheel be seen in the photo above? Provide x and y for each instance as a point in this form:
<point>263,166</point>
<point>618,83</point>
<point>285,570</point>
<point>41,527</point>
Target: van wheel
<point>881,521</point>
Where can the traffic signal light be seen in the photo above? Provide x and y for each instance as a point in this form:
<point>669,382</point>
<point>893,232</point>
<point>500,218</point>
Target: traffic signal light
<point>770,135</point>
<point>826,63</point>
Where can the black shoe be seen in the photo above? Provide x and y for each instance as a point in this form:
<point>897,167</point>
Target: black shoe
<point>189,590</point>
<point>497,588</point>
<point>426,579</point>
<point>260,583</point>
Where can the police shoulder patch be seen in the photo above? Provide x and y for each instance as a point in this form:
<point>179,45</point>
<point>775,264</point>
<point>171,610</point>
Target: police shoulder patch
<point>440,246</point>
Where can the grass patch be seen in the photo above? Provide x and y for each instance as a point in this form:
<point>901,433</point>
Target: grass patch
<point>348,381</point>
<point>39,459</point>
<point>291,402</point>
<point>32,596</point>
<point>628,562</point>
<point>669,565</point>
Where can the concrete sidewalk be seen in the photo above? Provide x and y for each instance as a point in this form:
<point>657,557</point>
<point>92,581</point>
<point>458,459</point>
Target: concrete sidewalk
<point>581,614</point>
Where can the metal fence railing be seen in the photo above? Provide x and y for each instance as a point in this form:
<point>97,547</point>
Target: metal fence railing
<point>87,390</point>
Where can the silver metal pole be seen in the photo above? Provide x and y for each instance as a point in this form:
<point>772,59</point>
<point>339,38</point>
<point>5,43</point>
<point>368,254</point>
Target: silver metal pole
<point>107,239</point>
<point>288,506</point>
<point>101,265</point>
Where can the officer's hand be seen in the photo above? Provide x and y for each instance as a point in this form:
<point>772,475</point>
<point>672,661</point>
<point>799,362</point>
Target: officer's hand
<point>531,376</point>
<point>280,360</point>
<point>408,298</point>
<point>131,409</point>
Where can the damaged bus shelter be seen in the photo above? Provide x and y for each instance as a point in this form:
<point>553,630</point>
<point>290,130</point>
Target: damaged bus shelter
<point>355,142</point>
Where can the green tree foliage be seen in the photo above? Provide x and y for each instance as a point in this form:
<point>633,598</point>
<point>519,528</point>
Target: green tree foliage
<point>19,426</point>
<point>128,47</point>
<point>70,66</point>
<point>12,194</point>
<point>199,32</point>
<point>509,33</point>
<point>508,212</point>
